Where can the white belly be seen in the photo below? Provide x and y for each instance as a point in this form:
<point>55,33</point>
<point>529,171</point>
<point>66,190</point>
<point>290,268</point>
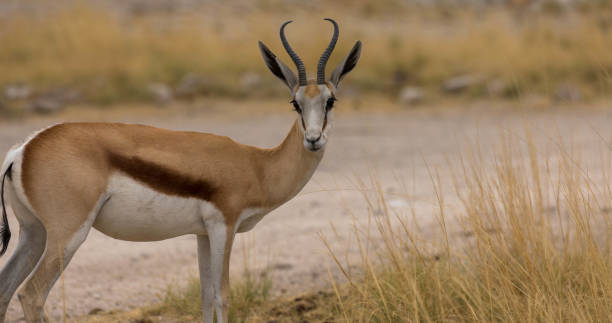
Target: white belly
<point>135,212</point>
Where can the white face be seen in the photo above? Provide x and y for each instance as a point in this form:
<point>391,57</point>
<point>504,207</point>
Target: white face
<point>314,103</point>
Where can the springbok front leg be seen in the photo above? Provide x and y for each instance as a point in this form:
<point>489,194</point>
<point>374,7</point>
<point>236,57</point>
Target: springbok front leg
<point>220,238</point>
<point>206,287</point>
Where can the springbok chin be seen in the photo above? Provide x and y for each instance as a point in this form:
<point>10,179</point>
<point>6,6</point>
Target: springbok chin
<point>141,183</point>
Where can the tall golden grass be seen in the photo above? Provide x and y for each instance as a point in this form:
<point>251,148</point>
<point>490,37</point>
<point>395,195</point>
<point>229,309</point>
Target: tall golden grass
<point>110,56</point>
<point>535,247</point>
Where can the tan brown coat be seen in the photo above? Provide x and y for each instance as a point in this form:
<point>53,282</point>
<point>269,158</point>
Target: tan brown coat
<point>77,159</point>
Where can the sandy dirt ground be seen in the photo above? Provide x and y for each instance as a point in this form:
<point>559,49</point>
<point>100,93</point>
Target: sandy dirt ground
<point>111,274</point>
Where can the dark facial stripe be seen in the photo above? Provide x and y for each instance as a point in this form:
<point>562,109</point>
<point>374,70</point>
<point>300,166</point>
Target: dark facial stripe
<point>325,121</point>
<point>161,178</point>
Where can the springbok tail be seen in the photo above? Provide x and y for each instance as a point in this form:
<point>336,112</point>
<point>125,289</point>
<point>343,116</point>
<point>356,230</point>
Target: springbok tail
<point>5,231</point>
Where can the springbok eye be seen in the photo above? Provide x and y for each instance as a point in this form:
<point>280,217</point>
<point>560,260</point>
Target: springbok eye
<point>330,103</point>
<point>296,106</point>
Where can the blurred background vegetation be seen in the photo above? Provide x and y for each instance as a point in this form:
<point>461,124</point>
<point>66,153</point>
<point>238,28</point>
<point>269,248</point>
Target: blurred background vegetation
<point>55,53</point>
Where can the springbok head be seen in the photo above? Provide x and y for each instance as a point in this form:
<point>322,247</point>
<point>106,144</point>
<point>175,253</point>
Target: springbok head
<point>312,100</point>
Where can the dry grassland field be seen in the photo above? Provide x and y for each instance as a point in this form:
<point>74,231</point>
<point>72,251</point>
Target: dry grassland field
<point>467,176</point>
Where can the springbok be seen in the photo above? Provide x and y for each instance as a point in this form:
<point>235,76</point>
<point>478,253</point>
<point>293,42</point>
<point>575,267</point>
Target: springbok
<point>139,183</point>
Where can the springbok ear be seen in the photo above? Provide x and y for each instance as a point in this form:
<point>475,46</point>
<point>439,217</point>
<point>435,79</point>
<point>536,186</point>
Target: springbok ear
<point>346,65</point>
<point>277,67</point>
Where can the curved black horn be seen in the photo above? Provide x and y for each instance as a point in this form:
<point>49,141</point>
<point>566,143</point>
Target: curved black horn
<point>296,59</point>
<point>326,54</point>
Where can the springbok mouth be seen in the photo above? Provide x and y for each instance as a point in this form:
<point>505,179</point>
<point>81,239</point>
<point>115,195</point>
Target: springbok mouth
<point>314,148</point>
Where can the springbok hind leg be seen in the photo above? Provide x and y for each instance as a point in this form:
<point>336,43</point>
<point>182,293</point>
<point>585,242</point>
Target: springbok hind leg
<point>63,240</point>
<point>32,236</point>
<point>59,252</point>
<point>34,293</point>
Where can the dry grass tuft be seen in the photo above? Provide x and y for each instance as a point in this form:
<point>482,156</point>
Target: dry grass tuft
<point>246,296</point>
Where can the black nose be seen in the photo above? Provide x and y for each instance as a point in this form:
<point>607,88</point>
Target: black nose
<point>312,141</point>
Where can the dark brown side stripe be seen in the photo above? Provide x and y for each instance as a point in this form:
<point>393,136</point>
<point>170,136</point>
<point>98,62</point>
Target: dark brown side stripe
<point>161,178</point>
